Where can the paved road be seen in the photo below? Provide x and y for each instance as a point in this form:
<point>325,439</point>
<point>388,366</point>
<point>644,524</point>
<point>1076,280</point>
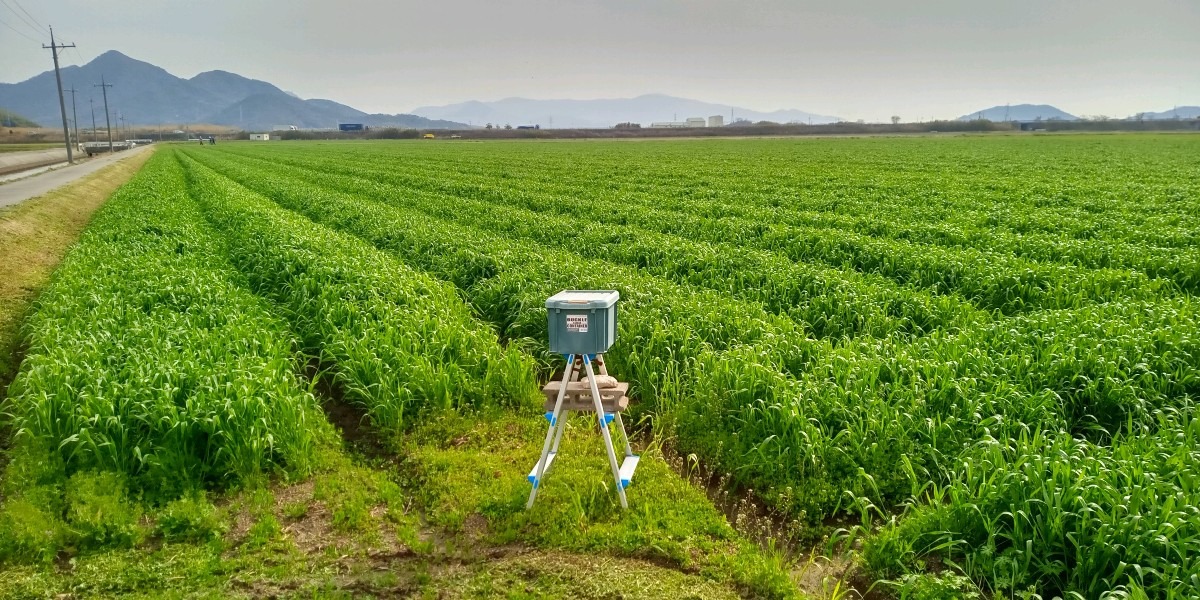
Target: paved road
<point>20,190</point>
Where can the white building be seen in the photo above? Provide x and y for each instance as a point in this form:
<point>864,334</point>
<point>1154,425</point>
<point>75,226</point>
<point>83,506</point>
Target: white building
<point>716,121</point>
<point>690,122</point>
<point>260,137</point>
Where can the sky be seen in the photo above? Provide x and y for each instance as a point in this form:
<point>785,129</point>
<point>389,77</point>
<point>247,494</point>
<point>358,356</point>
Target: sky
<point>856,59</point>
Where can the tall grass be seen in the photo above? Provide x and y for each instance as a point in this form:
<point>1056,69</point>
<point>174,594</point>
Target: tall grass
<point>147,357</point>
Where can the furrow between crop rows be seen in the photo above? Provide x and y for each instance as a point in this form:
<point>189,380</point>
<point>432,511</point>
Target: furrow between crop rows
<point>862,406</point>
<point>993,345</point>
<point>400,343</point>
<point>991,280</point>
<point>832,303</point>
<point>942,226</point>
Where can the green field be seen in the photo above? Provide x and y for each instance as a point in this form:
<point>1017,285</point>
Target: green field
<point>959,363</point>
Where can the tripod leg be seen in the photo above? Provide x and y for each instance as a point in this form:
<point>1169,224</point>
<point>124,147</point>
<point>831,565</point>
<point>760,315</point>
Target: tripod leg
<point>608,444</point>
<point>551,434</point>
<point>625,436</point>
<point>562,424</point>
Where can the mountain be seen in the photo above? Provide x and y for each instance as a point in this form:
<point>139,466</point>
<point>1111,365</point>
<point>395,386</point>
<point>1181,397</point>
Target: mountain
<point>148,95</point>
<point>603,112</point>
<point>1180,112</point>
<point>138,88</point>
<point>1020,112</point>
<point>268,110</point>
<point>231,87</point>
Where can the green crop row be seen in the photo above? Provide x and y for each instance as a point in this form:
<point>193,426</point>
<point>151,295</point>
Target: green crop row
<point>1020,441</point>
<point>829,302</point>
<point>509,280</point>
<point>990,279</point>
<point>1066,516</point>
<point>1128,189</point>
<point>937,393</point>
<point>940,219</point>
<point>1055,233</point>
<point>399,343</point>
<point>147,357</point>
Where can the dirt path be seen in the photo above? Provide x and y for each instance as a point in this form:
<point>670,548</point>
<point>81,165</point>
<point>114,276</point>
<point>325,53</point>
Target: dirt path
<point>20,190</point>
<point>35,235</point>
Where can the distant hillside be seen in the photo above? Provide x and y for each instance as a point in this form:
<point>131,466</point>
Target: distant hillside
<point>268,110</point>
<point>604,112</point>
<point>12,119</point>
<point>1020,112</point>
<point>148,95</point>
<point>230,87</point>
<point>1179,112</point>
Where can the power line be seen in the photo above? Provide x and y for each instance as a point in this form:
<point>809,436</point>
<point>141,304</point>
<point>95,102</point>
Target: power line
<point>28,15</point>
<point>77,54</point>
<point>19,32</point>
<point>21,17</point>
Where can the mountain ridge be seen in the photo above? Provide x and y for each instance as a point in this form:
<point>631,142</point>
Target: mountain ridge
<point>1180,112</point>
<point>146,94</point>
<point>1020,112</point>
<point>604,112</point>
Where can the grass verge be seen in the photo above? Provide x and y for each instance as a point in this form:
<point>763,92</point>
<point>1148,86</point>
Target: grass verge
<point>356,530</point>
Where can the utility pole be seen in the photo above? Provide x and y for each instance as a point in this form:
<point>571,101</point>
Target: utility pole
<point>62,107</point>
<point>92,103</point>
<point>74,114</point>
<point>107,124</point>
<point>121,127</point>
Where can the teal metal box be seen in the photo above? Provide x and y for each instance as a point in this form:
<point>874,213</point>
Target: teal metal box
<point>582,321</point>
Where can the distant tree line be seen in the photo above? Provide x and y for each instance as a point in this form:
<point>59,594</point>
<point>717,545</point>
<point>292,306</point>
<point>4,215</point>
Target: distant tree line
<point>747,128</point>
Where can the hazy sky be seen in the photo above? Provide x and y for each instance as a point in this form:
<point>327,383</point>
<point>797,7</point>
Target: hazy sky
<point>867,59</point>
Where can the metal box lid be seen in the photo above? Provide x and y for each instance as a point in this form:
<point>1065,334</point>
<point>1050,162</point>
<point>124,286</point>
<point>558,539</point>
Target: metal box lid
<point>583,299</point>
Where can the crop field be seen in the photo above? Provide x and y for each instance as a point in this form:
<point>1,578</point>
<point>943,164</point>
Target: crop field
<point>964,365</point>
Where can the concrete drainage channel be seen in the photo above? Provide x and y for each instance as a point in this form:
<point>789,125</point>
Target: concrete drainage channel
<point>16,162</point>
